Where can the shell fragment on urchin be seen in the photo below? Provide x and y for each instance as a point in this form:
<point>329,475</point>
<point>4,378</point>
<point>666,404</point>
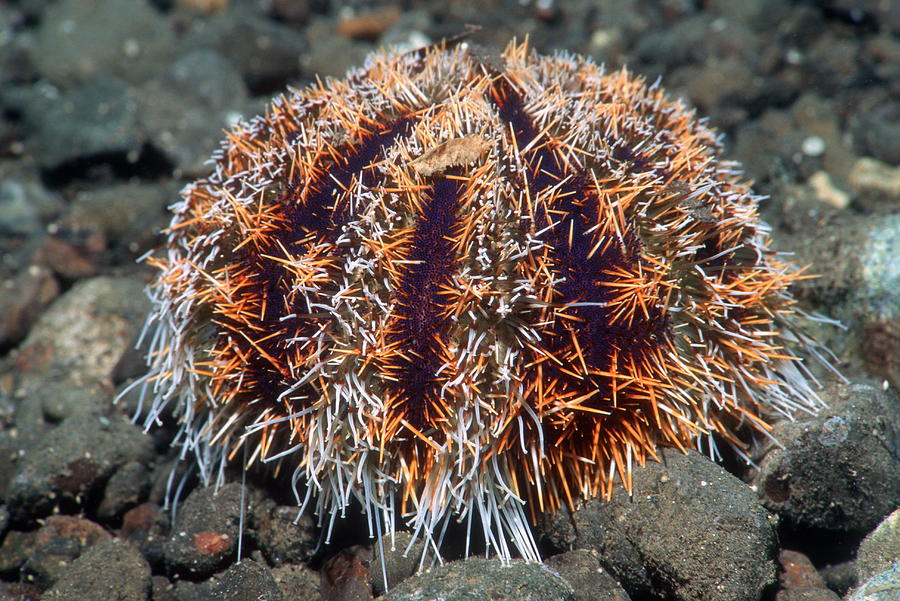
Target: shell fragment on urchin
<point>452,286</point>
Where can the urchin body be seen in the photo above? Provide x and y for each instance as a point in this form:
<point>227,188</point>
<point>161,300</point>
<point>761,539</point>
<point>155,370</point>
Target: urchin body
<point>455,286</point>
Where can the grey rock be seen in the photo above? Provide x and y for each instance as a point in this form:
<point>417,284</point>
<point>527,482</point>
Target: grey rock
<point>857,261</point>
<point>184,111</point>
<point>89,327</point>
<point>245,581</point>
<point>79,39</point>
<point>97,120</point>
<point>398,564</point>
<point>297,582</point>
<point>281,537</point>
<point>477,578</point>
<point>884,13</point>
<point>147,527</point>
<point>16,46</point>
<point>331,55</point>
<point>205,534</point>
<point>22,300</point>
<point>18,215</point>
<point>59,541</point>
<point>876,124</point>
<point>15,550</point>
<point>832,59</point>
<point>109,570</point>
<point>836,471</point>
<point>880,549</point>
<point>840,577</point>
<point>124,212</point>
<point>19,592</point>
<point>883,586</point>
<point>73,460</point>
<point>690,530</point>
<point>807,593</point>
<point>582,570</point>
<point>126,488</point>
<point>267,54</point>
<point>65,365</point>
<point>719,82</point>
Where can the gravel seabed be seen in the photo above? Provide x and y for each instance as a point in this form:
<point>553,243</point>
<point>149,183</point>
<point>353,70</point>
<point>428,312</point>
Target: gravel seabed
<point>108,108</point>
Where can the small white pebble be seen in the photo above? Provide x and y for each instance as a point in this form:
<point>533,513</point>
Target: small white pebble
<point>813,146</point>
<point>601,38</point>
<point>131,48</point>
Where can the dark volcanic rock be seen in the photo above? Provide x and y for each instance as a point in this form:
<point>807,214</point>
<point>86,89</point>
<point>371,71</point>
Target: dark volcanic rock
<point>245,581</point>
<point>282,538</point>
<point>57,543</point>
<point>880,549</point>
<point>108,570</point>
<point>97,121</point>
<point>80,38</point>
<point>477,578</point>
<point>184,111</point>
<point>690,530</point>
<point>72,461</point>
<point>206,531</point>
<point>398,563</point>
<point>836,471</point>
<point>581,569</point>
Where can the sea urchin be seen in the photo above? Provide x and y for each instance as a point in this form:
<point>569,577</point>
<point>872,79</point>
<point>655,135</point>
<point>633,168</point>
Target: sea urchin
<point>453,284</point>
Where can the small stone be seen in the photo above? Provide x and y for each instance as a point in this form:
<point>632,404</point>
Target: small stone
<point>22,300</point>
<point>368,25</point>
<point>295,12</point>
<point>71,461</point>
<point>582,570</point>
<point>798,571</point>
<point>126,488</point>
<point>329,54</point>
<point>109,570</point>
<point>97,121</point>
<point>79,39</point>
<point>807,593</point>
<point>58,542</point>
<point>871,175</point>
<point>813,146</point>
<point>641,537</point>
<point>398,563</point>
<point>206,531</point>
<point>183,111</point>
<point>73,248</point>
<point>18,215</point>
<point>19,592</point>
<point>203,7</point>
<point>835,471</point>
<point>345,575</point>
<point>122,211</point>
<point>880,549</point>
<point>282,537</point>
<point>147,526</point>
<point>477,578</point>
<point>265,53</point>
<point>827,192</point>
<point>246,581</point>
<point>297,582</point>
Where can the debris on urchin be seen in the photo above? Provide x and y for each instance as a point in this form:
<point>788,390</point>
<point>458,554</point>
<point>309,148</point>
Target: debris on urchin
<point>449,286</point>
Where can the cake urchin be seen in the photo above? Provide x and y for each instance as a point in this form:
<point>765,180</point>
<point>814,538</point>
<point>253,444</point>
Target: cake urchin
<point>451,285</point>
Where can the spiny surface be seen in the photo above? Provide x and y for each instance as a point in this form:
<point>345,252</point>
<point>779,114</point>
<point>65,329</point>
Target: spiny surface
<point>457,285</point>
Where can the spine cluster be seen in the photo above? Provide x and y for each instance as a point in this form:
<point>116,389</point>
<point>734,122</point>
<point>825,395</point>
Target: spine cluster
<point>450,285</point>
